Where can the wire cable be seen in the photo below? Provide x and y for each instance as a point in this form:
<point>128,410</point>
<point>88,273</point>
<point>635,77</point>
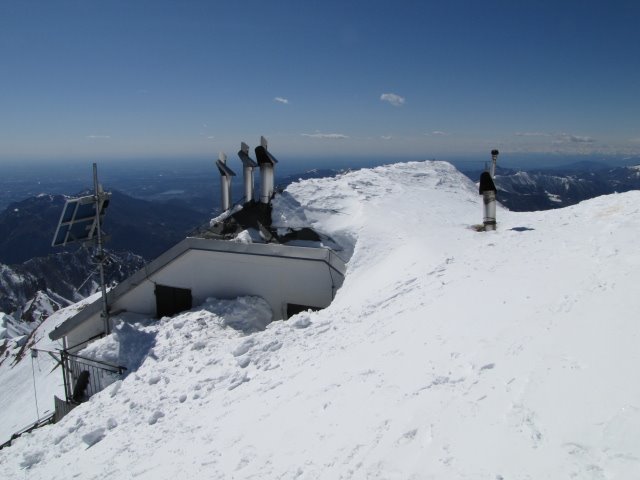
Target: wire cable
<point>35,392</point>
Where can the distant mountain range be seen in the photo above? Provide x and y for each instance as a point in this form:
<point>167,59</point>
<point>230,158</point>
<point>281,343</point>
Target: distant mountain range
<point>41,285</point>
<point>546,189</point>
<point>36,279</point>
<point>133,225</point>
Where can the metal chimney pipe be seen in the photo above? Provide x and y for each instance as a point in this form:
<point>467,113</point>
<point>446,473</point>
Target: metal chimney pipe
<point>494,160</point>
<point>488,192</point>
<point>225,181</point>
<point>266,183</point>
<point>267,163</point>
<point>247,171</point>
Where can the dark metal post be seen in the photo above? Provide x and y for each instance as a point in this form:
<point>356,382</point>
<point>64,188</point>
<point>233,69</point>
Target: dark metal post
<point>247,169</point>
<point>65,375</point>
<point>99,199</point>
<point>226,175</point>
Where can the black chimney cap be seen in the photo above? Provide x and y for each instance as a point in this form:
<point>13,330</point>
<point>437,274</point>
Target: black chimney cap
<point>247,161</point>
<point>494,152</point>
<point>263,156</point>
<point>486,183</point>
<point>224,170</point>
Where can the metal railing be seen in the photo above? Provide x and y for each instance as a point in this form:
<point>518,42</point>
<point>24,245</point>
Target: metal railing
<point>30,428</point>
<point>62,408</point>
<point>84,377</point>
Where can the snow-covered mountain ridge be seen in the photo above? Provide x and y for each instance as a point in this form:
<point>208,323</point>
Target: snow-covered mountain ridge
<point>447,353</point>
<point>545,189</point>
<point>64,277</point>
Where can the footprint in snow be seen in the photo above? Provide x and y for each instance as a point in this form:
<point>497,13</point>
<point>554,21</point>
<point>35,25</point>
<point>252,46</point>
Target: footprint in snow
<point>243,362</point>
<point>93,437</point>
<point>243,348</point>
<point>155,416</point>
<point>407,437</point>
<point>302,322</point>
<point>32,458</point>
<point>237,380</point>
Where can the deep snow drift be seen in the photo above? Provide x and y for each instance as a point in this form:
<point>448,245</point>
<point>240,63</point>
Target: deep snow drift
<point>447,353</point>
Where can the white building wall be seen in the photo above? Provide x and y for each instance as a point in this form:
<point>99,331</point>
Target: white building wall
<point>279,280</point>
<point>211,268</point>
<point>89,329</point>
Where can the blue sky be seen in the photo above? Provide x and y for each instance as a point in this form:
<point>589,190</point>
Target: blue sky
<point>125,79</point>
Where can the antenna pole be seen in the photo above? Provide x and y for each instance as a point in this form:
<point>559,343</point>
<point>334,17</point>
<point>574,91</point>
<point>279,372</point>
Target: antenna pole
<point>99,199</point>
<point>494,160</point>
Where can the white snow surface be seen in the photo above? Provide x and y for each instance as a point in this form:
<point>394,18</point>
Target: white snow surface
<point>447,354</point>
<point>12,329</point>
<point>18,369</point>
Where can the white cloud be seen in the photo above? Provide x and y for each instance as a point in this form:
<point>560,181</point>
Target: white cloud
<point>569,138</point>
<point>334,136</point>
<point>393,99</point>
<point>386,137</point>
<point>532,134</point>
<point>437,133</point>
<point>282,100</point>
<point>558,137</point>
<point>98,137</point>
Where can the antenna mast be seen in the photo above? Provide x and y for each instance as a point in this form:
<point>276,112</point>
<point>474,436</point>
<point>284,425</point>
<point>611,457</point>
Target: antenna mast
<point>100,197</point>
<point>81,221</point>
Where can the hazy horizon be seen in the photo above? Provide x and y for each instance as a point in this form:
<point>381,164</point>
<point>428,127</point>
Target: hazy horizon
<point>293,163</point>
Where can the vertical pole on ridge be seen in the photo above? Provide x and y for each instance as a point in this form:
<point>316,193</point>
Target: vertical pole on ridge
<point>99,199</point>
<point>494,160</point>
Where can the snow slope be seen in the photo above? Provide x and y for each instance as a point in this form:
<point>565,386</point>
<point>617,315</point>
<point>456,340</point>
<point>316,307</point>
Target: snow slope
<point>447,353</point>
<point>18,371</point>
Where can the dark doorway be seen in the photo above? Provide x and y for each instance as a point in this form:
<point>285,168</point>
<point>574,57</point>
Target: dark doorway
<point>293,308</point>
<point>172,300</point>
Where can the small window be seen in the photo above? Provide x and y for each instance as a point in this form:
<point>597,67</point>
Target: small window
<point>171,300</point>
<point>293,308</point>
